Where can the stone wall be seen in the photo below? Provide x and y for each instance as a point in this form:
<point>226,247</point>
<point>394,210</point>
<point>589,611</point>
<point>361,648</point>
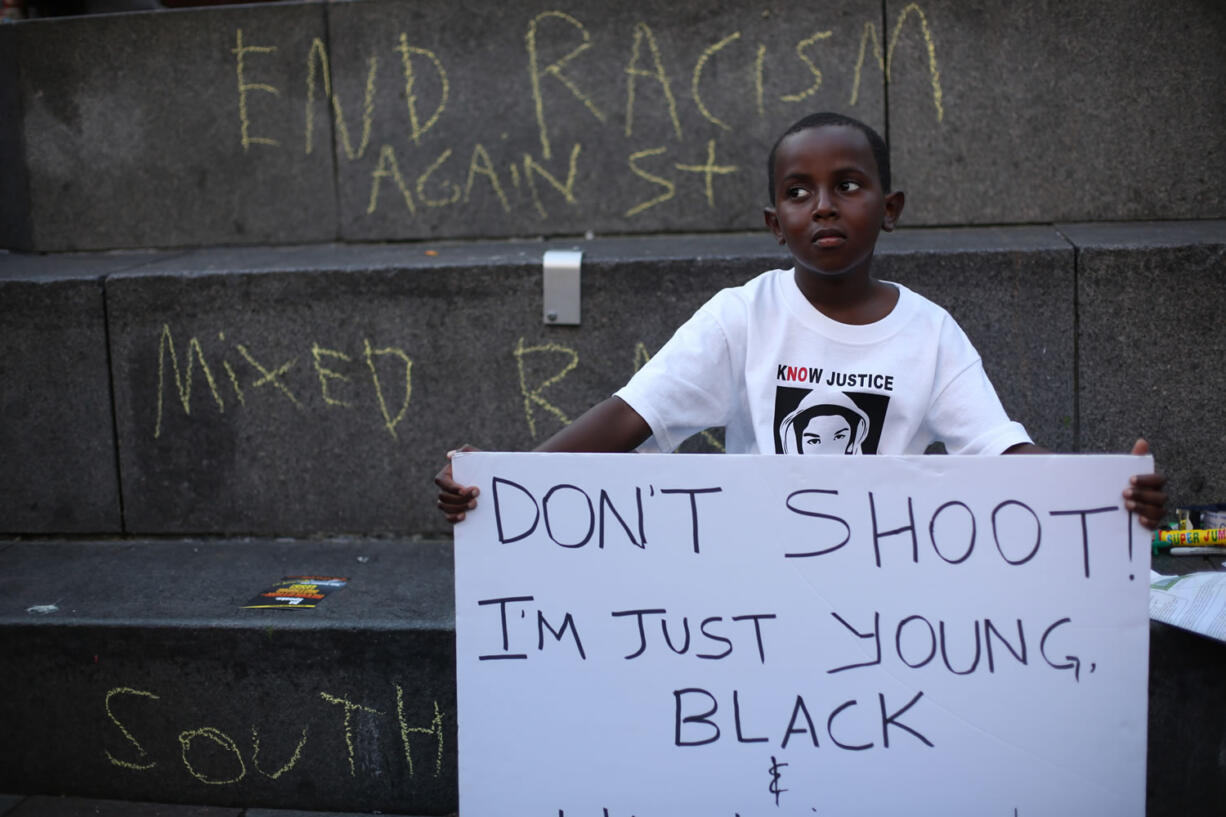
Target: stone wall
<point>392,120</point>
<point>309,390</point>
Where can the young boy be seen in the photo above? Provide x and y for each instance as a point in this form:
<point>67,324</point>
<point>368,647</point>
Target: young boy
<point>886,370</point>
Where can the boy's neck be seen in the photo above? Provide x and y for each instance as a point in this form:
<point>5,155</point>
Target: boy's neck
<point>855,299</point>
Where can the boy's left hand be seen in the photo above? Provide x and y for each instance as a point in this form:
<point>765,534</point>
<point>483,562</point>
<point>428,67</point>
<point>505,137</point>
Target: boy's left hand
<point>1145,495</point>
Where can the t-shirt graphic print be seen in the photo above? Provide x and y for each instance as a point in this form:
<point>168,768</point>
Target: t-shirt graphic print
<point>824,420</point>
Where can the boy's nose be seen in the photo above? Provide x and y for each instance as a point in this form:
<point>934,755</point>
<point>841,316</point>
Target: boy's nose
<point>824,205</point>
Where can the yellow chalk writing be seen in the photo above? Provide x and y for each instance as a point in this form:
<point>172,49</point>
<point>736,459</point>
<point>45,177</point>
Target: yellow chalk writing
<point>670,189</point>
<point>325,374</point>
<point>933,71</point>
<point>533,397</point>
<point>238,390</point>
<point>389,421</point>
<point>643,32</point>
<point>641,356</point>
<point>870,33</point>
<point>435,728</point>
<point>451,198</point>
<point>713,441</point>
<point>221,739</point>
<point>350,707</point>
<point>486,169</point>
<point>813,69</point>
<point>183,382</point>
<point>293,761</point>
<point>317,57</point>
<point>567,190</point>
<point>416,128</point>
<point>128,764</point>
<point>696,77</point>
<point>333,368</point>
<point>554,69</point>
<point>887,64</point>
<point>240,52</point>
<point>759,65</point>
<point>387,166</point>
<point>206,751</point>
<point>709,171</point>
<point>270,376</point>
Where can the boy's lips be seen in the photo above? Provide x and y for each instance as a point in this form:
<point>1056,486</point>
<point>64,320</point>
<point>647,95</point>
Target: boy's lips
<point>829,238</point>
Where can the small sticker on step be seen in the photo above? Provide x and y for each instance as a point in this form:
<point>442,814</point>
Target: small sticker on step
<point>297,592</point>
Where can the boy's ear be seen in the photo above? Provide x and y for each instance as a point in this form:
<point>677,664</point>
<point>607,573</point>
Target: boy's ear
<point>772,223</point>
<point>893,209</point>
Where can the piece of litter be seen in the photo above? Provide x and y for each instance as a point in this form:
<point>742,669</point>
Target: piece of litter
<point>43,609</point>
<point>363,560</point>
<point>300,592</point>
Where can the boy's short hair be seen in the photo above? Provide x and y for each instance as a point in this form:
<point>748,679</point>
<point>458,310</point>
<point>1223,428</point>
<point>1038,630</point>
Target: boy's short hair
<point>827,119</point>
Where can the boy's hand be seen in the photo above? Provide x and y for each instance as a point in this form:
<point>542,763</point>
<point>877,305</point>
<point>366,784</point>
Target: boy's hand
<point>455,499</point>
<point>1144,495</point>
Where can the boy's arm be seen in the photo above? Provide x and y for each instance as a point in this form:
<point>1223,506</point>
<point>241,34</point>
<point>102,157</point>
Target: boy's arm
<point>1145,495</point>
<point>1026,448</point>
<point>609,426</point>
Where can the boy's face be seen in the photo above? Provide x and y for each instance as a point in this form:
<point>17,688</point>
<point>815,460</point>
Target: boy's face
<point>829,206</point>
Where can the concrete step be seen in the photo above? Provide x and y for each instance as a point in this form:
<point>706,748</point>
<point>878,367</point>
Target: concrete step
<point>131,671</point>
<point>314,390</point>
<point>43,806</point>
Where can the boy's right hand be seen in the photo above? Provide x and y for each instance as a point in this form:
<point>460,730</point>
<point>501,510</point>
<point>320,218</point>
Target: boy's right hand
<point>455,499</point>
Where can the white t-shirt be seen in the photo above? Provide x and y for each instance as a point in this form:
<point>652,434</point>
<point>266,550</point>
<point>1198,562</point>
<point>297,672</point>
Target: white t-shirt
<point>760,360</point>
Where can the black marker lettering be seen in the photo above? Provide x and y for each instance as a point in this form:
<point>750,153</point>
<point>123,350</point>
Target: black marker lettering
<point>878,534</point>
<point>932,641</point>
<point>502,609</point>
<point>1085,531</point>
<point>892,720</point>
<point>502,537</point>
<point>642,632</point>
<point>638,501</point>
<point>693,492</point>
<point>591,514</point>
<point>703,718</point>
<point>685,623</point>
<point>932,533</point>
<point>799,708</point>
<point>703,629</point>
<point>1074,663</point>
<point>757,630</point>
<point>803,512</point>
<point>736,717</point>
<point>945,652</point>
<point>875,635</point>
<point>568,623</point>
<point>851,747</point>
<point>1038,532</point>
<point>989,628</point>
<point>605,502</point>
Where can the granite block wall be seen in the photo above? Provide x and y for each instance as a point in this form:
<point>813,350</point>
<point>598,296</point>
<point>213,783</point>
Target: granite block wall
<point>420,119</point>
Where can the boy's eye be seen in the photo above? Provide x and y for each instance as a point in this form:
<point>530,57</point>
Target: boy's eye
<point>797,193</point>
<point>849,186</point>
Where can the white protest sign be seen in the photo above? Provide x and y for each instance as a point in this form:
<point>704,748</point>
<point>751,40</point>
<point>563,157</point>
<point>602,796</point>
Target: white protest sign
<point>663,635</point>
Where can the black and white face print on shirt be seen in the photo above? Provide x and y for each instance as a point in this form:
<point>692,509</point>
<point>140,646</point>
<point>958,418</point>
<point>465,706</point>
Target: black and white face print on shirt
<point>825,420</point>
